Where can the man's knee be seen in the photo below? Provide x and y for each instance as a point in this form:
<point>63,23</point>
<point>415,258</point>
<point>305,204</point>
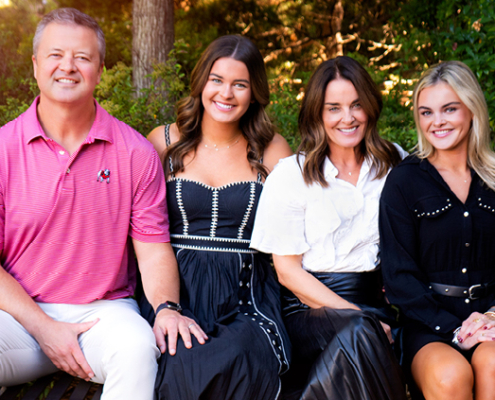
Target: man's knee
<point>121,341</point>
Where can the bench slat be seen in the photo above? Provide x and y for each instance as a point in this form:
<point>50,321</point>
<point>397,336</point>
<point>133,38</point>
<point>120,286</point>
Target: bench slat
<point>11,392</point>
<point>97,394</point>
<point>81,390</point>
<point>38,387</point>
<point>60,386</point>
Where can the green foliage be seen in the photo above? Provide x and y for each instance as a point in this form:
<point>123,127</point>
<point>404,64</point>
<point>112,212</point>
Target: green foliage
<point>284,110</point>
<point>473,42</point>
<point>115,19</point>
<point>394,39</point>
<point>441,30</point>
<point>151,107</point>
<point>14,106</point>
<point>15,52</point>
<point>396,123</point>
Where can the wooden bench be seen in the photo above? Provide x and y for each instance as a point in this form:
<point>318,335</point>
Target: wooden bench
<point>59,386</point>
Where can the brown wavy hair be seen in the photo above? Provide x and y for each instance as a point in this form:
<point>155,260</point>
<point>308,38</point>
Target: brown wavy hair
<point>381,154</point>
<point>255,125</point>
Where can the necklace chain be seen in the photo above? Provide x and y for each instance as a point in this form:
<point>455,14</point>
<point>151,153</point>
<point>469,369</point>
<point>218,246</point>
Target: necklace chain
<point>216,148</point>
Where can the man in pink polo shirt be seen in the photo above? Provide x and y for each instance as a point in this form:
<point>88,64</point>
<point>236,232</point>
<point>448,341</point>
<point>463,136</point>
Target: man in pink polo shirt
<point>78,190</point>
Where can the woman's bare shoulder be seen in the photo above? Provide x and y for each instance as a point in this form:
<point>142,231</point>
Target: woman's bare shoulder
<point>277,149</point>
<point>157,138</point>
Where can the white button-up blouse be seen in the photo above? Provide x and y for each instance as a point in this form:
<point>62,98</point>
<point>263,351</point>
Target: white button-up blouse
<point>334,228</point>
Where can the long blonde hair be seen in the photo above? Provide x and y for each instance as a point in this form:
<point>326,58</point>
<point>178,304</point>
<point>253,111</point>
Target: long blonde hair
<point>461,79</point>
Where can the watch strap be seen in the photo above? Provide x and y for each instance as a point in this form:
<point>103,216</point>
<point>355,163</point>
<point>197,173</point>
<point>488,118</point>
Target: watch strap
<point>169,305</point>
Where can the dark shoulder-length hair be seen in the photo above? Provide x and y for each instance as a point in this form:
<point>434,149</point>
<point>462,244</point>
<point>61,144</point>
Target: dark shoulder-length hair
<point>255,125</point>
<point>381,154</point>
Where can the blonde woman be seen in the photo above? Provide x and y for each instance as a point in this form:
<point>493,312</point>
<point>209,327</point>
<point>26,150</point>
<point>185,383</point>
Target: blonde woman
<point>437,222</point>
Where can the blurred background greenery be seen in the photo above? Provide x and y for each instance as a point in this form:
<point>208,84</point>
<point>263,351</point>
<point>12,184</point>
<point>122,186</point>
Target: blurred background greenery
<point>394,39</point>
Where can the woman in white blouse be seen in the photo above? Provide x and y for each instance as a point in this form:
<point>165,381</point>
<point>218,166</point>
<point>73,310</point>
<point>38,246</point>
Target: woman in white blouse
<point>318,215</point>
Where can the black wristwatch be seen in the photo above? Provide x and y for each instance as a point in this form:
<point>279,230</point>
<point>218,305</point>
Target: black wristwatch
<point>169,305</point>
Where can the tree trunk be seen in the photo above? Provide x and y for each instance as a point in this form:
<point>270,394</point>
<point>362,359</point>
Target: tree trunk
<point>335,44</point>
<point>152,37</point>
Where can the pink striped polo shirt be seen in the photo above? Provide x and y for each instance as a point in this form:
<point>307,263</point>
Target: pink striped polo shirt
<point>66,221</point>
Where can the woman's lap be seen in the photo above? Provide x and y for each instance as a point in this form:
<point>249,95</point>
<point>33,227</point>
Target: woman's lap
<point>235,363</point>
<point>341,354</point>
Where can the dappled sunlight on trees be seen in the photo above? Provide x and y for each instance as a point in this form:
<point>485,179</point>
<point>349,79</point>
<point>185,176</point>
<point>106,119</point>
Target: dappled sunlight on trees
<point>395,40</point>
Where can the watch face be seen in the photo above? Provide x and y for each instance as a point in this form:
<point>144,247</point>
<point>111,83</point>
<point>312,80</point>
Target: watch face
<point>171,304</point>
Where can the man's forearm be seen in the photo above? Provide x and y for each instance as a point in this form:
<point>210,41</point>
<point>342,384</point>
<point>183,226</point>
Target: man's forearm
<point>15,301</point>
<point>159,272</point>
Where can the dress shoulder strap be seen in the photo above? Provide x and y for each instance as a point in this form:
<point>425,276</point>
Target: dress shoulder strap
<point>167,135</point>
<point>167,142</point>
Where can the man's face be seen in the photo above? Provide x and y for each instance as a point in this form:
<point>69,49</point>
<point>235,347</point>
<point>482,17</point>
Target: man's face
<point>67,66</point>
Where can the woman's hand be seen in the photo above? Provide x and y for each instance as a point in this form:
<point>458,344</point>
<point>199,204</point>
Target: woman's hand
<point>474,323</point>
<point>481,335</point>
<point>388,331</point>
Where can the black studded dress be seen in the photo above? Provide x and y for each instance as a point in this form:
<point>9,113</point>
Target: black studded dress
<point>230,290</point>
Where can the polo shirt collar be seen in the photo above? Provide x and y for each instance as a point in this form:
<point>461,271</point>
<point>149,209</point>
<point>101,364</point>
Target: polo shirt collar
<point>98,131</point>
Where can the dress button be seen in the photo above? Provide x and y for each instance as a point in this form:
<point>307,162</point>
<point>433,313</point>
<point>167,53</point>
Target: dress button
<point>467,301</point>
<point>466,214</point>
<point>467,244</point>
<point>437,328</point>
<point>240,283</point>
<point>240,302</point>
<point>61,152</point>
<point>464,270</point>
<point>250,266</point>
<point>68,170</point>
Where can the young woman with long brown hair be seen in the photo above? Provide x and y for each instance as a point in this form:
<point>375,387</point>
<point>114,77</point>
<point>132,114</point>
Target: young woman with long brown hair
<point>318,215</point>
<point>217,156</point>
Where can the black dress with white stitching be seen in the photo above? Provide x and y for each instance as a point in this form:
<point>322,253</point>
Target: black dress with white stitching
<point>230,290</point>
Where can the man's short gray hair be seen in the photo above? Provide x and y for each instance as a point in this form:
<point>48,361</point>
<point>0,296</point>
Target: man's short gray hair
<point>70,16</point>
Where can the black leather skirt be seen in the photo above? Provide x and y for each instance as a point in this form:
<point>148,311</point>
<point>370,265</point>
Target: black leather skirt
<point>343,353</point>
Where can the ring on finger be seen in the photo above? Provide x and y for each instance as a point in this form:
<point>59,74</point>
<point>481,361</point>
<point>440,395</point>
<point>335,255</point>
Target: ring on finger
<point>476,320</point>
<point>189,326</point>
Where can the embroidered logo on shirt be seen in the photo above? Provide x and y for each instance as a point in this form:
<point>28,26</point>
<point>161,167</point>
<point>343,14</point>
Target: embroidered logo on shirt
<point>104,175</point>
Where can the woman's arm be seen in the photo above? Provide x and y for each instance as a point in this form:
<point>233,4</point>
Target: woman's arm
<point>157,138</point>
<point>406,285</point>
<point>276,150</point>
<point>305,286</point>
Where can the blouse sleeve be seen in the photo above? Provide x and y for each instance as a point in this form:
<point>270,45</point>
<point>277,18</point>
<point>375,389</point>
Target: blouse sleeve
<point>406,285</point>
<point>279,226</point>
